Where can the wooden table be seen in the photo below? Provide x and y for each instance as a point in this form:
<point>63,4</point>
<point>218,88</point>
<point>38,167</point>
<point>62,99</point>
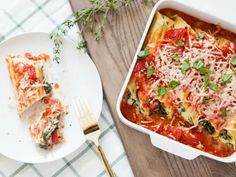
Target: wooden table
<point>113,55</point>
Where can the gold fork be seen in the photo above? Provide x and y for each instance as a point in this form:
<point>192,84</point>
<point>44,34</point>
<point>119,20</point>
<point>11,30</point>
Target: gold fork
<point>91,129</point>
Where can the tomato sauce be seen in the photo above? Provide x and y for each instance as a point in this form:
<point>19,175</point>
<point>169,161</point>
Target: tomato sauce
<point>195,137</point>
<point>176,127</point>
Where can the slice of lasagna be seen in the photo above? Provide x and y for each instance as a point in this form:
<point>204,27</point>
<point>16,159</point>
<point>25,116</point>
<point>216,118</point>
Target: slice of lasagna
<point>28,79</point>
<point>47,129</point>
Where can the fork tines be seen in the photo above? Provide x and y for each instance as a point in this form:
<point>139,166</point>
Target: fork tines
<point>87,120</point>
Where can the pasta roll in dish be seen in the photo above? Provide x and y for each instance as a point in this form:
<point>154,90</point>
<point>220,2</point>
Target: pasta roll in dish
<point>183,83</point>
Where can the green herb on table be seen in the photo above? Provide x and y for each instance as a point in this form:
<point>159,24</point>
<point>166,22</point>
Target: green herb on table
<point>147,1</point>
<point>143,53</point>
<point>82,45</point>
<point>90,19</point>
<point>150,71</point>
<point>62,30</point>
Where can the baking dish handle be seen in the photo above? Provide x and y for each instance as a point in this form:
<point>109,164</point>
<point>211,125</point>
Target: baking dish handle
<point>173,147</point>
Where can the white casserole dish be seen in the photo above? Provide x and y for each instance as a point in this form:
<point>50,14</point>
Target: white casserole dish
<point>196,9</point>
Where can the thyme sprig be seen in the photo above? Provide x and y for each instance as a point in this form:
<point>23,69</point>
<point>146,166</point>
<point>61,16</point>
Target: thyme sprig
<point>92,19</point>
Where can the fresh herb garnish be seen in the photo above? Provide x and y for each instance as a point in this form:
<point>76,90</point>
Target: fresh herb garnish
<point>213,86</point>
<point>180,43</point>
<point>147,1</point>
<point>200,35</point>
<point>150,71</point>
<point>185,67</point>
<point>223,113</point>
<point>48,87</point>
<point>206,80</point>
<point>82,44</point>
<point>224,135</point>
<point>162,91</point>
<point>233,61</point>
<point>175,57</point>
<point>131,101</point>
<point>198,64</point>
<point>226,78</point>
<point>233,64</point>
<point>204,99</point>
<point>143,53</point>
<point>49,129</point>
<point>174,83</point>
<point>203,70</point>
<point>207,126</point>
<point>161,110</point>
<point>92,19</point>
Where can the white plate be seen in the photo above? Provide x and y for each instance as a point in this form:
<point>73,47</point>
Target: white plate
<point>77,76</point>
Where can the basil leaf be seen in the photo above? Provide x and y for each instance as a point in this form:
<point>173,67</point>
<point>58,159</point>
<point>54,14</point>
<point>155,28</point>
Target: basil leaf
<point>207,126</point>
<point>226,78</point>
<point>175,57</point>
<point>213,86</point>
<point>48,87</point>
<point>198,64</point>
<point>205,98</point>
<point>180,43</point>
<point>185,67</point>
<point>143,53</point>
<point>203,70</point>
<point>223,113</point>
<point>161,110</point>
<point>233,61</point>
<point>206,80</point>
<point>224,135</point>
<point>162,91</point>
<point>200,35</point>
<point>150,71</point>
<point>49,129</point>
<point>174,83</point>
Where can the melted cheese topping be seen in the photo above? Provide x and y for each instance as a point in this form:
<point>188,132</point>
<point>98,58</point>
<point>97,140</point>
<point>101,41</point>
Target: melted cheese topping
<point>218,64</point>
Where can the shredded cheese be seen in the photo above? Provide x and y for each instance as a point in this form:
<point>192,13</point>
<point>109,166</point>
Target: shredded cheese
<point>214,59</point>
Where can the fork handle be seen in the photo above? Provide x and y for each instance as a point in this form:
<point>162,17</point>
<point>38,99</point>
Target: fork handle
<point>105,161</point>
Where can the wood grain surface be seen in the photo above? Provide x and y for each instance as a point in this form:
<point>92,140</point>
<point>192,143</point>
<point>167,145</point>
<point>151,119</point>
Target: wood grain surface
<point>113,55</point>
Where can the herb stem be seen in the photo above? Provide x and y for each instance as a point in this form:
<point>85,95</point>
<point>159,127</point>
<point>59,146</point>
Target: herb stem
<point>88,19</point>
